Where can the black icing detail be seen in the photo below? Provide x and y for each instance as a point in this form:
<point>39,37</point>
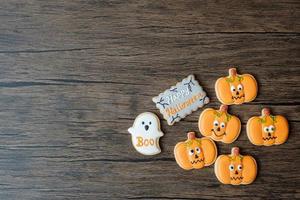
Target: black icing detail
<point>161,102</point>
<point>203,100</point>
<point>238,97</point>
<point>174,90</point>
<point>173,118</point>
<point>269,138</point>
<point>236,178</point>
<point>197,161</point>
<point>216,133</point>
<point>189,85</point>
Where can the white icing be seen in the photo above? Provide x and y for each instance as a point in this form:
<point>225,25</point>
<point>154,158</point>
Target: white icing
<point>145,133</point>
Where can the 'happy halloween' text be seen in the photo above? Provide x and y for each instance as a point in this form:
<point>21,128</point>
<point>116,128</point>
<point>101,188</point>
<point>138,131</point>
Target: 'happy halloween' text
<point>171,111</point>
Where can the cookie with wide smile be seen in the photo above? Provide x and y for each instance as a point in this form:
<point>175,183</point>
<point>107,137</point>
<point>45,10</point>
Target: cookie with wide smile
<point>213,131</point>
<point>219,125</point>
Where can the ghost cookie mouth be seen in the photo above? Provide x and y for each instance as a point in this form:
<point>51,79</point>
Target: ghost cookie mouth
<point>213,131</point>
<point>197,161</point>
<point>146,127</point>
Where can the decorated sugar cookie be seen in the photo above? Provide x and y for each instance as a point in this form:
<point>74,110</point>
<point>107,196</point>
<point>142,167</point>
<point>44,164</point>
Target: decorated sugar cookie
<point>267,129</point>
<point>195,153</point>
<point>219,125</point>
<point>145,133</point>
<point>181,100</point>
<point>236,88</point>
<point>235,169</point>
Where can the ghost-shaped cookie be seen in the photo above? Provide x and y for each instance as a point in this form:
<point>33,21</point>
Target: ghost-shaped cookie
<point>145,133</point>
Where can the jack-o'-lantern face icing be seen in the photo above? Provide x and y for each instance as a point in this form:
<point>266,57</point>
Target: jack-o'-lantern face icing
<point>195,153</point>
<point>235,88</point>
<point>219,125</point>
<point>235,169</point>
<point>237,91</point>
<point>267,129</point>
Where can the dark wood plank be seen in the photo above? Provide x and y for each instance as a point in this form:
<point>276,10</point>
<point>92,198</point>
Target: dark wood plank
<point>74,74</point>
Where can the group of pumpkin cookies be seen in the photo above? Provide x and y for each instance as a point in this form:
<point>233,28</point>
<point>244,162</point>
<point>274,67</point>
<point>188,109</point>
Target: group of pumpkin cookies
<point>214,125</point>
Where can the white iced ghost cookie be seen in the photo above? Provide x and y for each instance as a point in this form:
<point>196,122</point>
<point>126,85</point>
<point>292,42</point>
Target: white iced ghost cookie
<point>145,133</point>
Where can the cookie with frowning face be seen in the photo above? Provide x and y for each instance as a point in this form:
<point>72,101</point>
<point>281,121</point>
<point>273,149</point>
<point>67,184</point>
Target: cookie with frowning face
<point>267,129</point>
<point>235,169</point>
<point>236,88</point>
<point>195,153</point>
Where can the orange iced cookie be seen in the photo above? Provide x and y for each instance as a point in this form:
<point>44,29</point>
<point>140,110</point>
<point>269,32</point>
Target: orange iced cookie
<point>195,153</point>
<point>235,169</point>
<point>267,129</point>
<point>235,88</point>
<point>219,125</point>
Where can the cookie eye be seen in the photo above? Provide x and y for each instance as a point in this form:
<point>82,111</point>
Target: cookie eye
<point>216,123</point>
<point>198,150</point>
<point>223,125</point>
<point>266,129</point>
<point>271,129</point>
<point>143,123</point>
<point>231,167</point>
<point>240,167</point>
<point>240,87</point>
<point>150,123</point>
<point>232,88</point>
<point>191,152</point>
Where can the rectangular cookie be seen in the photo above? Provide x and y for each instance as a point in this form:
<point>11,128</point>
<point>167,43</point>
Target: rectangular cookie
<point>181,100</point>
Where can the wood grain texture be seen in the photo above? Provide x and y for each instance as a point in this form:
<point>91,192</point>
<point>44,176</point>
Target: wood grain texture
<point>75,74</point>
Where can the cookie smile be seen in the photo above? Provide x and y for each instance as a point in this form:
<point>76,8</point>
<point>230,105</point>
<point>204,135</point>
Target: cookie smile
<point>236,178</point>
<point>269,138</point>
<point>217,134</point>
<point>238,97</point>
<point>197,161</point>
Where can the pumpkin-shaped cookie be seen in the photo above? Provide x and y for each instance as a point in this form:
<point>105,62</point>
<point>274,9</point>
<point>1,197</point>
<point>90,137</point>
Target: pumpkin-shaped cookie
<point>267,129</point>
<point>235,169</point>
<point>195,153</point>
<point>219,125</point>
<point>235,88</point>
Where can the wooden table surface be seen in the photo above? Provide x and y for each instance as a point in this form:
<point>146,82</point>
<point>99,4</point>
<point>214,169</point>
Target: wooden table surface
<point>75,74</point>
